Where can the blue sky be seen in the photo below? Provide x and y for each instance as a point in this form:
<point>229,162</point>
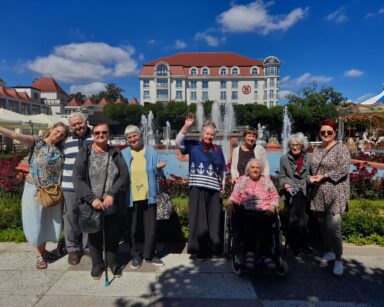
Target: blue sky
<point>85,44</point>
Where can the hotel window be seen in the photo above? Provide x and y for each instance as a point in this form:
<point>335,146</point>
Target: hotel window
<point>265,95</point>
<point>255,95</point>
<point>271,104</point>
<point>204,84</point>
<point>162,83</point>
<point>179,83</point>
<point>223,84</point>
<point>193,71</point>
<point>179,95</point>
<point>265,84</point>
<point>265,103</point>
<point>271,93</point>
<point>254,71</point>
<point>272,82</point>
<point>223,71</point>
<point>146,83</point>
<point>146,95</point>
<point>235,71</point>
<point>162,70</point>
<point>205,96</point>
<point>162,94</point>
<point>277,94</point>
<point>223,96</point>
<point>193,96</point>
<point>204,71</point>
<point>234,95</point>
<point>271,71</point>
<point>192,84</point>
<point>256,84</point>
<point>235,84</point>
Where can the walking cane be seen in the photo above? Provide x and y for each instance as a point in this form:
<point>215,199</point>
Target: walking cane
<point>106,283</point>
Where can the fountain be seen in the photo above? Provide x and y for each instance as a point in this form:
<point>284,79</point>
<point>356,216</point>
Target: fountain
<point>229,124</point>
<point>216,115</point>
<point>286,130</point>
<point>199,115</point>
<point>151,136</point>
<point>144,129</point>
<point>167,135</point>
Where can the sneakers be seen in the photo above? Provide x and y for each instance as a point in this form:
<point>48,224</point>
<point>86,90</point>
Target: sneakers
<point>329,256</point>
<point>338,268</point>
<point>117,270</point>
<point>97,271</point>
<point>155,261</point>
<point>135,263</point>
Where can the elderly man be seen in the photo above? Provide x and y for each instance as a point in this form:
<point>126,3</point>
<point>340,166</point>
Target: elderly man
<point>75,240</point>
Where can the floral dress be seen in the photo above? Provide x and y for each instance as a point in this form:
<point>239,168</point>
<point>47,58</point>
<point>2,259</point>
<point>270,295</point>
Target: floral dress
<point>41,224</point>
<point>331,195</point>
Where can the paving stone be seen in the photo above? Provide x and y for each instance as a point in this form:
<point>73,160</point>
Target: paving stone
<point>18,300</point>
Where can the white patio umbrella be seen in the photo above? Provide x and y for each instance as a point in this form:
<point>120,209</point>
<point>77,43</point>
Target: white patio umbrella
<point>11,119</point>
<point>47,119</point>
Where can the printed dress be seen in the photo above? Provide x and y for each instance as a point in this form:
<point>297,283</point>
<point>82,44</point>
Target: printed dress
<point>41,224</point>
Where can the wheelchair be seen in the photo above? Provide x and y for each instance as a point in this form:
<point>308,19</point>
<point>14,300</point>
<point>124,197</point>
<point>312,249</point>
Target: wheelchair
<point>234,245</point>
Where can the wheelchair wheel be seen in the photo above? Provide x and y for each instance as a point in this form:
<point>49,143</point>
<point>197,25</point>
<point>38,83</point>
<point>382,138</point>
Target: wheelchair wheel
<point>236,265</point>
<point>282,269</point>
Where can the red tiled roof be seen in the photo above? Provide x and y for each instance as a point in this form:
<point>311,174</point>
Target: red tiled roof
<point>88,102</point>
<point>48,84</point>
<point>119,101</point>
<point>12,93</point>
<point>24,95</point>
<point>209,59</point>
<point>73,103</point>
<point>103,102</point>
<point>134,101</point>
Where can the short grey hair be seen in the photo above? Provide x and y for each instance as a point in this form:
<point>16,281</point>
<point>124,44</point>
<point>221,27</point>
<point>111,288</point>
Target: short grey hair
<point>77,114</point>
<point>208,124</point>
<point>301,139</point>
<point>248,166</point>
<point>132,129</point>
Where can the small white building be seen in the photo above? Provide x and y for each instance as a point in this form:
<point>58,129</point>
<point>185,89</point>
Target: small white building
<point>217,76</point>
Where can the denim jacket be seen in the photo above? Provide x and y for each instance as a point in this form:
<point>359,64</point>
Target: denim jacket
<point>152,159</point>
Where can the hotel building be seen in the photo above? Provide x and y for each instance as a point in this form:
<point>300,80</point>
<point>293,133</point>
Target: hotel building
<point>217,76</point>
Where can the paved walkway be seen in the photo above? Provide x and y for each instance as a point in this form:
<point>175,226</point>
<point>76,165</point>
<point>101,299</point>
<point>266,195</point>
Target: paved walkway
<point>182,282</point>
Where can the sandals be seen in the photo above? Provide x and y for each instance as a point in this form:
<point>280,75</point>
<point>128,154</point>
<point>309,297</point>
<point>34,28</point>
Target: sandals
<point>41,263</point>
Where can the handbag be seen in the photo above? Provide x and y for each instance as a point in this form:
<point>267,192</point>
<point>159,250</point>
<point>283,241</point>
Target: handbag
<point>90,219</point>
<point>50,195</point>
<point>164,205</point>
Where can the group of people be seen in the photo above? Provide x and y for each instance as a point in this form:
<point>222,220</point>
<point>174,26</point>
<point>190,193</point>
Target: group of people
<point>94,174</point>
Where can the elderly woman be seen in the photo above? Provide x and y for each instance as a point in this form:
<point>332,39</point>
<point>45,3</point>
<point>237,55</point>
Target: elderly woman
<point>100,176</point>
<point>255,198</point>
<point>144,168</point>
<point>295,169</point>
<point>247,151</point>
<point>330,191</point>
<point>41,224</point>
<point>206,173</point>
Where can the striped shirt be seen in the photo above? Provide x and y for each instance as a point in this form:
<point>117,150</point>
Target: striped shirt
<point>71,149</point>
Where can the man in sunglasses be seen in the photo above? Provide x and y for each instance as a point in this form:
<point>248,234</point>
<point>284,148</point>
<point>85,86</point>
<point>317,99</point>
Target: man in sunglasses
<point>75,241</point>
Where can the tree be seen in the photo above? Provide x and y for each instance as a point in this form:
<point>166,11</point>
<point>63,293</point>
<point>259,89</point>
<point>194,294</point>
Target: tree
<point>78,96</point>
<point>311,106</point>
<point>112,92</point>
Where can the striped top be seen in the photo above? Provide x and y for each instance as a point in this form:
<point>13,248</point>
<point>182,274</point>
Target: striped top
<point>71,149</point>
<point>206,168</point>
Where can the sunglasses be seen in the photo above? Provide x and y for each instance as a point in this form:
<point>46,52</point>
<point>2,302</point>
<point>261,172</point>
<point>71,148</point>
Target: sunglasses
<point>100,132</point>
<point>294,145</point>
<point>326,132</point>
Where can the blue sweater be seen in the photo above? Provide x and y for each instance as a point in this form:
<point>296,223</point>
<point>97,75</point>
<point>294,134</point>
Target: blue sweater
<point>152,159</point>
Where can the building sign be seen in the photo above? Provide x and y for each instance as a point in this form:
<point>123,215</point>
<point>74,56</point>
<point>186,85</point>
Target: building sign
<point>246,89</point>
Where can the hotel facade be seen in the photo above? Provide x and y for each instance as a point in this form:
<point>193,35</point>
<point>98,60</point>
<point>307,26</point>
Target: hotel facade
<point>218,76</point>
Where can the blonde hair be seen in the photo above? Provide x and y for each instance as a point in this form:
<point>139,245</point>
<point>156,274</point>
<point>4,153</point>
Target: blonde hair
<point>58,124</point>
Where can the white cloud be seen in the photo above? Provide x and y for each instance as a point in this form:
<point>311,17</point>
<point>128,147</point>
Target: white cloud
<point>151,42</point>
<point>304,79</point>
<point>254,17</point>
<point>353,73</point>
<point>284,93</point>
<point>380,11</point>
<point>337,16</point>
<point>211,40</point>
<point>88,89</point>
<point>179,44</point>
<point>86,62</point>
<point>141,57</point>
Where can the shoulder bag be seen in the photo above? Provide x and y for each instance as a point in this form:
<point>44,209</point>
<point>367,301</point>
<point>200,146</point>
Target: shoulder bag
<point>164,204</point>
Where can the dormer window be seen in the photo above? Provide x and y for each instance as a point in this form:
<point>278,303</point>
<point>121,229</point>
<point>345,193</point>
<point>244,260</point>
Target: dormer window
<point>254,70</point>
<point>193,71</point>
<point>162,70</point>
<point>205,71</point>
<point>235,71</point>
<point>223,71</point>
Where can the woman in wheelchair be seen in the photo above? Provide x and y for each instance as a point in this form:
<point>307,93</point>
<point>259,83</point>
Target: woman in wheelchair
<point>252,206</point>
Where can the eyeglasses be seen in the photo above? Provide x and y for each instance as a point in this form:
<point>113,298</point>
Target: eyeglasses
<point>294,145</point>
<point>326,132</point>
<point>100,132</point>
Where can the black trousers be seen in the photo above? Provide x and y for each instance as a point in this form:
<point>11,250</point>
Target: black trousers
<point>204,221</point>
<point>297,232</point>
<point>95,241</point>
<point>254,230</point>
<point>142,218</point>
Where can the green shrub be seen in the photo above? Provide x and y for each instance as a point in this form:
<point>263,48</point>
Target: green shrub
<point>12,235</point>
<point>10,211</point>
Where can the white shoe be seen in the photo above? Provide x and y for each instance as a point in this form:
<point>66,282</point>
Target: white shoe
<point>327,257</point>
<point>338,268</point>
